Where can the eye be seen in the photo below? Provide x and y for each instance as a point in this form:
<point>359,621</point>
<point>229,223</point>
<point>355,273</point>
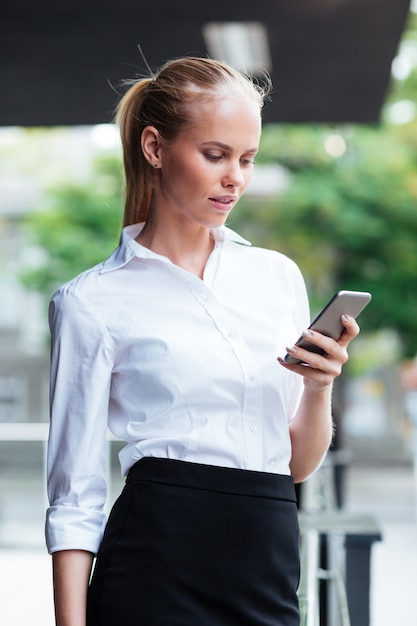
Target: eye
<point>212,157</point>
<point>246,162</point>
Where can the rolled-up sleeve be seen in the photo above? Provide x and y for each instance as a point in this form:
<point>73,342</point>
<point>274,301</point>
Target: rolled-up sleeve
<point>81,367</point>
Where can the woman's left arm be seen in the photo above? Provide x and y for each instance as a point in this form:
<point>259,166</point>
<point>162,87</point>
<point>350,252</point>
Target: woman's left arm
<point>311,429</point>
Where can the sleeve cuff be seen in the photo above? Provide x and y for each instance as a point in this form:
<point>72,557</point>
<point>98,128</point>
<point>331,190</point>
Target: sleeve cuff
<point>69,528</point>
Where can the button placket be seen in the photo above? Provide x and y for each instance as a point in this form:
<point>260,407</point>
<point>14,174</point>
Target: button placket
<point>251,407</point>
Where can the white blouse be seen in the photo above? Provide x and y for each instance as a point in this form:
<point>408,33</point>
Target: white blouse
<point>175,366</point>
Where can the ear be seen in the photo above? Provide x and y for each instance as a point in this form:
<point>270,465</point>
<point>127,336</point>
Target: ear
<point>151,145</point>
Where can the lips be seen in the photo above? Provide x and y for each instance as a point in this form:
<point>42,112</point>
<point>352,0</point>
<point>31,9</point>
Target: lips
<point>224,203</point>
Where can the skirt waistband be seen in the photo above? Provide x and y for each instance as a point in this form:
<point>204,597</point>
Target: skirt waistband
<point>213,478</point>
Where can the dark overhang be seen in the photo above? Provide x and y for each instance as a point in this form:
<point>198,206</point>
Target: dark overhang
<point>331,59</point>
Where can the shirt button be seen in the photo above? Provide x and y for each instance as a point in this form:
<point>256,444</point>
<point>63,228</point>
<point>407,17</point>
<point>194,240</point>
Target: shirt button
<point>253,428</point>
<point>252,377</point>
<point>232,334</point>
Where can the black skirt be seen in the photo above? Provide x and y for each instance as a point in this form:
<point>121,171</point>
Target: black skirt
<point>197,545</point>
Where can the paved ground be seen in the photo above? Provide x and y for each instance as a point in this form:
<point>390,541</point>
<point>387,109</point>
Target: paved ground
<point>388,492</point>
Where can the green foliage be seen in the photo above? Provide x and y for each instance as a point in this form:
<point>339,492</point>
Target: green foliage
<point>78,228</point>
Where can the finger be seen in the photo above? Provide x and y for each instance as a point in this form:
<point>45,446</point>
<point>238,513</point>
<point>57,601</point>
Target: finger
<point>330,363</point>
<point>334,351</point>
<point>351,330</point>
<point>320,372</point>
<point>316,343</point>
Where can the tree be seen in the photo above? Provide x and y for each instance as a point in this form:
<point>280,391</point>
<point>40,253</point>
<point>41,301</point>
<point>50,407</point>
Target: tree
<point>78,226</point>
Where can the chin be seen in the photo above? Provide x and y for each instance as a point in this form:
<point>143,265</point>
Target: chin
<point>216,221</point>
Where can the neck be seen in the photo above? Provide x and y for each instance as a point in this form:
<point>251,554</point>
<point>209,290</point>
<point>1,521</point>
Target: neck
<point>189,247</point>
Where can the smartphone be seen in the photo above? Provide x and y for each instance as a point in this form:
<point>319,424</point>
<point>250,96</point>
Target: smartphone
<point>328,320</point>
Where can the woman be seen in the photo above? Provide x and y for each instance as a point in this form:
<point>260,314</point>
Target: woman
<point>175,343</point>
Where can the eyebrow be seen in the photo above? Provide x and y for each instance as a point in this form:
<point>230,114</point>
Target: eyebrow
<point>225,146</point>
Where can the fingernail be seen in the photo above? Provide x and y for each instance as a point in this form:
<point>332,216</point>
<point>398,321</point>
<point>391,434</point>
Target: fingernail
<point>307,333</point>
<point>345,318</point>
<point>291,349</point>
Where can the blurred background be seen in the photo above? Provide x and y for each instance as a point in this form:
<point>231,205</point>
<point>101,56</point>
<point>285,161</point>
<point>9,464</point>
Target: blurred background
<point>335,188</point>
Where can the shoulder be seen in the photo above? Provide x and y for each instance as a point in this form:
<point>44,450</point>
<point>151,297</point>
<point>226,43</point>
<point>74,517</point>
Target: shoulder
<point>80,288</point>
<point>86,296</point>
<point>255,268</point>
<point>262,258</point>
<point>71,310</point>
<point>95,280</point>
<point>89,284</point>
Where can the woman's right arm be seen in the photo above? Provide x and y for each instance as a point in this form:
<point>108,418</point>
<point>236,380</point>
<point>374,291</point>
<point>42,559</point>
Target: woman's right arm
<point>71,573</point>
<point>81,366</point>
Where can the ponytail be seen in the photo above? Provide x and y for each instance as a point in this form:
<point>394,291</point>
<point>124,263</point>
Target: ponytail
<point>138,175</point>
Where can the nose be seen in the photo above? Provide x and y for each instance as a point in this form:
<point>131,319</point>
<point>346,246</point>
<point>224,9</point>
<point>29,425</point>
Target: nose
<point>233,176</point>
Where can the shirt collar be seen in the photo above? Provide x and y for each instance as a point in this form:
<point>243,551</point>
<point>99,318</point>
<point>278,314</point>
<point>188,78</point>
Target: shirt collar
<point>129,248</point>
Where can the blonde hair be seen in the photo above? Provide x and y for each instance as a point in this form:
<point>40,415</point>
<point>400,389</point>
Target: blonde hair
<point>163,102</point>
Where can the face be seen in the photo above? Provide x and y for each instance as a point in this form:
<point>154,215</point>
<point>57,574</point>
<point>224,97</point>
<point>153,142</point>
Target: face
<point>206,169</point>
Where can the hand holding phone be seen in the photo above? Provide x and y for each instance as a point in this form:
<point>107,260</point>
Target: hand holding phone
<point>328,322</point>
